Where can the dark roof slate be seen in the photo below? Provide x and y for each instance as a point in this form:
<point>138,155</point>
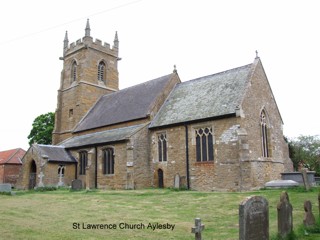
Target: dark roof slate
<point>206,97</point>
<point>124,105</point>
<point>54,153</point>
<point>112,135</point>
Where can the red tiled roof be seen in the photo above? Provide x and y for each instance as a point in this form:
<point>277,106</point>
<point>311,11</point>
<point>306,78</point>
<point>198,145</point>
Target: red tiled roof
<point>12,156</point>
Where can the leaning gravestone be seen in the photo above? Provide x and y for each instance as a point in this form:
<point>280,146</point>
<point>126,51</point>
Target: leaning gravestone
<point>254,219</point>
<point>305,179</point>
<point>76,184</point>
<point>309,219</point>
<point>5,187</point>
<point>284,215</point>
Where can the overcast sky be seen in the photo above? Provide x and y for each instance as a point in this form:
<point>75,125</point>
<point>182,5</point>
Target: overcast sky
<point>200,37</point>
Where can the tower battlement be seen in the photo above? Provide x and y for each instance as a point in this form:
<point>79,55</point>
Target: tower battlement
<point>87,42</point>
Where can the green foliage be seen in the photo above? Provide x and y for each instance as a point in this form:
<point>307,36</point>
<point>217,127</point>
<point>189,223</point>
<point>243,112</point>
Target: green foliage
<point>42,128</point>
<point>305,151</point>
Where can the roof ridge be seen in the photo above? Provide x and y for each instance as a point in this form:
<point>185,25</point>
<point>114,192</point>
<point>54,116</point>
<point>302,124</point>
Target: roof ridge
<point>218,73</point>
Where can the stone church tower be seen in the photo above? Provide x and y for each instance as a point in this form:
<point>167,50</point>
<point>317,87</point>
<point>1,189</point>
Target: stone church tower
<point>90,70</point>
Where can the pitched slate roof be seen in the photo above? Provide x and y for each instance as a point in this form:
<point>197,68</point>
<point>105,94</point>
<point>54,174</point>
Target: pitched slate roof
<point>112,135</point>
<point>125,105</point>
<point>54,153</point>
<point>206,97</point>
<point>12,156</point>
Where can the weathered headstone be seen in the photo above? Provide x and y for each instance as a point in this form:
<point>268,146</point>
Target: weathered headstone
<point>284,215</point>
<point>76,184</point>
<point>305,179</point>
<point>254,219</point>
<point>197,229</point>
<point>41,175</point>
<point>5,187</point>
<point>177,181</point>
<point>309,219</point>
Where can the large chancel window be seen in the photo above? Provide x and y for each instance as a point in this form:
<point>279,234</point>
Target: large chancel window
<point>204,144</point>
<point>108,161</point>
<point>264,134</point>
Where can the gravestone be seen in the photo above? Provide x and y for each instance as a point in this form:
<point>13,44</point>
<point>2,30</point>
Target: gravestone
<point>254,219</point>
<point>76,184</point>
<point>197,229</point>
<point>177,181</point>
<point>305,179</point>
<point>284,215</point>
<point>5,187</point>
<point>309,219</point>
<point>40,176</point>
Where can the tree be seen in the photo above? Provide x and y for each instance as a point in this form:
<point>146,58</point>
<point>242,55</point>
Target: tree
<point>42,128</point>
<point>305,151</point>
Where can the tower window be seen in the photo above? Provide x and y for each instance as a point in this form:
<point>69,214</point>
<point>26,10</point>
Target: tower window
<point>74,71</point>
<point>101,71</point>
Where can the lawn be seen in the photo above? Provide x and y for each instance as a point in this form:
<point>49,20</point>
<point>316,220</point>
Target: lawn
<point>131,214</point>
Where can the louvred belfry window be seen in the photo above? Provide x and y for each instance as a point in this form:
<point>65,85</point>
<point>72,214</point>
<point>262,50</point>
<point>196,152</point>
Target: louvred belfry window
<point>101,71</point>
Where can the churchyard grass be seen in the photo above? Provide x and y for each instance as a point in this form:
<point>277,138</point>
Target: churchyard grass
<point>59,214</point>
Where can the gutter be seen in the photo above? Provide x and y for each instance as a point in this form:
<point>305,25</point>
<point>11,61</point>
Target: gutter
<point>187,156</point>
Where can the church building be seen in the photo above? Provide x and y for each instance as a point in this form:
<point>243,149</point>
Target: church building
<point>217,132</point>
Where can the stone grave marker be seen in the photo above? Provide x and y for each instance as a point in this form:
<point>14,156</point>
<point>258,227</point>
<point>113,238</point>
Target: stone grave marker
<point>254,219</point>
<point>177,181</point>
<point>197,229</point>
<point>285,221</point>
<point>305,179</point>
<point>5,187</point>
<point>309,219</point>
<point>76,184</point>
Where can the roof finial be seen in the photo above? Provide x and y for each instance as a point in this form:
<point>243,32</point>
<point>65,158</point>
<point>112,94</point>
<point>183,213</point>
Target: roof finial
<point>116,41</point>
<point>257,54</point>
<point>87,30</point>
<point>175,69</point>
<point>66,40</point>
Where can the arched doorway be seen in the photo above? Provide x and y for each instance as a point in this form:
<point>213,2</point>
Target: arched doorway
<point>160,178</point>
<point>33,175</point>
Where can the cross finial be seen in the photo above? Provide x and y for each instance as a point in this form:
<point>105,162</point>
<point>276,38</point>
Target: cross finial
<point>257,54</point>
<point>197,229</point>
<point>174,68</point>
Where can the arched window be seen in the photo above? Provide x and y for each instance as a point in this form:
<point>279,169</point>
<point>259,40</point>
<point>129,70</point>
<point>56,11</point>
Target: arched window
<point>162,147</point>
<point>204,144</point>
<point>264,134</point>
<point>83,159</point>
<point>101,71</point>
<point>108,161</point>
<point>74,71</point>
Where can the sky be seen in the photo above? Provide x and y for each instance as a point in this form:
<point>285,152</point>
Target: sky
<point>200,37</point>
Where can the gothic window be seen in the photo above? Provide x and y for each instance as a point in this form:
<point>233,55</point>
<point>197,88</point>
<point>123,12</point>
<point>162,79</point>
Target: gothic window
<point>204,144</point>
<point>264,134</point>
<point>108,161</point>
<point>61,170</point>
<point>101,71</point>
<point>83,159</point>
<point>74,71</point>
<point>162,147</point>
